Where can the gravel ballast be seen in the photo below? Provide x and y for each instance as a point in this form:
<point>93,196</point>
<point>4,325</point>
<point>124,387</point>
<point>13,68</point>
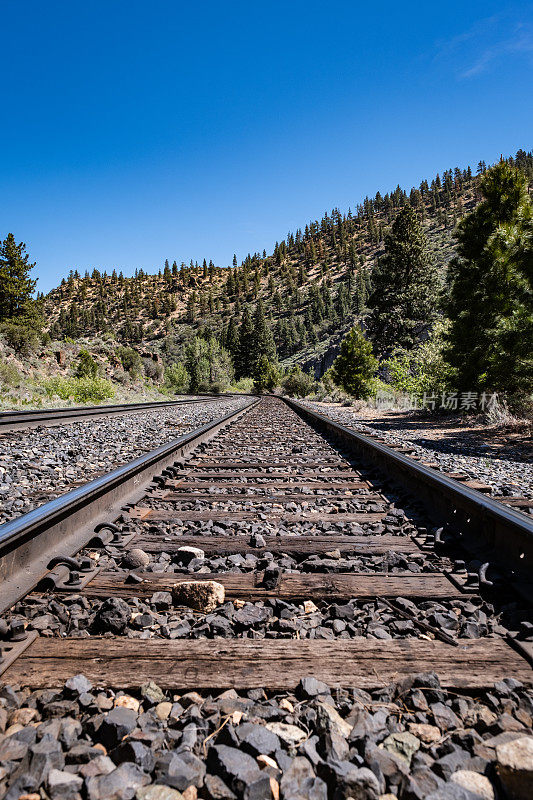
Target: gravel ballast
<point>508,472</point>
<point>40,464</point>
<point>412,740</point>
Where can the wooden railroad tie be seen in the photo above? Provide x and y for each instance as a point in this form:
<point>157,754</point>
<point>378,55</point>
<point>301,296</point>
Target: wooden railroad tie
<point>293,586</point>
<point>291,545</point>
<point>243,664</point>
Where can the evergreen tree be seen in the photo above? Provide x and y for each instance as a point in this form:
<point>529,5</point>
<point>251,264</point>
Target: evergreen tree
<point>245,360</point>
<point>491,288</point>
<point>191,307</point>
<point>231,338</point>
<point>87,366</point>
<point>355,366</point>
<point>262,341</point>
<point>404,298</point>
<point>360,293</point>
<point>16,286</point>
<point>265,376</point>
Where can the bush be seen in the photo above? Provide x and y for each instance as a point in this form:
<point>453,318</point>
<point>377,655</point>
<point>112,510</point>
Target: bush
<point>245,385</point>
<point>87,366</point>
<point>22,338</point>
<point>153,369</point>
<point>81,390</point>
<point>297,383</point>
<point>130,360</point>
<point>327,381</point>
<point>208,364</point>
<point>9,375</point>
<point>121,376</point>
<point>176,378</point>
<point>216,387</point>
<point>422,369</point>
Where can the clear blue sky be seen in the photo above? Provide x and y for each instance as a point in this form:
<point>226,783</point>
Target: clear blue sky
<point>133,131</point>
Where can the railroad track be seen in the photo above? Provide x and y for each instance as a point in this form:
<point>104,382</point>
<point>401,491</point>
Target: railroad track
<point>268,546</point>
<point>33,418</point>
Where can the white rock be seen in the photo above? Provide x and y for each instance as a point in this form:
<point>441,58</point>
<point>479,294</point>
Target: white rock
<point>188,553</point>
<point>479,785</point>
<point>202,595</point>
<point>514,765</point>
<point>289,733</point>
<point>344,727</point>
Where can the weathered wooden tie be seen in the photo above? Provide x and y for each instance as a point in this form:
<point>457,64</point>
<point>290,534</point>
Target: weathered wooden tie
<point>248,664</point>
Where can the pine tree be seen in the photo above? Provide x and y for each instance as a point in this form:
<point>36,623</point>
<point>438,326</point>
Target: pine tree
<point>355,366</point>
<point>262,340</point>
<point>404,298</point>
<point>491,288</point>
<point>266,376</point>
<point>245,361</point>
<point>360,293</point>
<point>16,286</point>
<point>231,339</point>
<point>191,307</point>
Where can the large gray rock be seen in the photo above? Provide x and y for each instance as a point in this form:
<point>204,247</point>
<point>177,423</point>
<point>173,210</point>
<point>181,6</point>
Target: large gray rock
<point>184,555</point>
<point>116,725</point>
<point>344,780</point>
<point>180,770</point>
<point>113,615</point>
<point>404,745</point>
<point>63,785</point>
<point>239,770</point>
<point>121,784</point>
<point>256,739</point>
<point>157,792</point>
<point>136,558</point>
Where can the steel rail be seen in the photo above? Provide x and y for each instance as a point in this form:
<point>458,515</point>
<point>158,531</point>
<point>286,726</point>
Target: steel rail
<point>492,531</point>
<point>31,418</point>
<point>63,526</point>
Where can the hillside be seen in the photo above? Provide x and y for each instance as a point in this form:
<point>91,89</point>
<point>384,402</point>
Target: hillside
<point>313,285</point>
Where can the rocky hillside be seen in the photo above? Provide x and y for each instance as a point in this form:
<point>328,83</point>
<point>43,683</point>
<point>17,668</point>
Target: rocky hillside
<point>314,284</point>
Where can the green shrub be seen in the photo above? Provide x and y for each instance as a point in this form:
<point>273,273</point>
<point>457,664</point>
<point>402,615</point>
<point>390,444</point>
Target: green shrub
<point>217,387</point>
<point>153,369</point>
<point>22,338</point>
<point>422,369</point>
<point>327,381</point>
<point>81,390</point>
<point>9,375</point>
<point>130,360</point>
<point>207,364</point>
<point>176,378</point>
<point>297,383</point>
<point>87,366</point>
<point>245,385</point>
